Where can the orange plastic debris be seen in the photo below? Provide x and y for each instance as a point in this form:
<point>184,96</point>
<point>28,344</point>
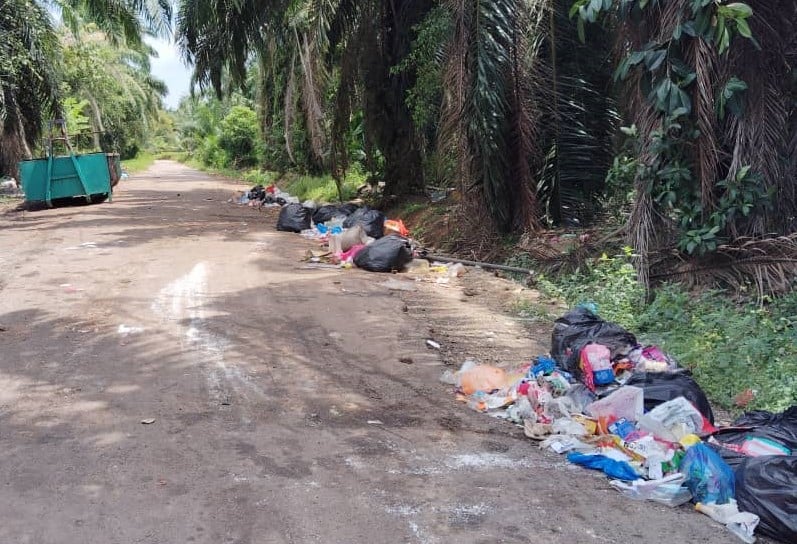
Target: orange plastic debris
<point>396,226</point>
<point>482,378</point>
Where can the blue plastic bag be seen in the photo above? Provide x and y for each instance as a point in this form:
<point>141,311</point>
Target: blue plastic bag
<point>618,470</point>
<point>708,476</point>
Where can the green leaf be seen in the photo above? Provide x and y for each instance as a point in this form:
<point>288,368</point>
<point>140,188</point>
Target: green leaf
<point>654,59</point>
<point>741,9</point>
<point>744,28</point>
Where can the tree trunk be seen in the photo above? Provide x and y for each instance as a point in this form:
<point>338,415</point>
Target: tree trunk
<point>96,121</point>
<point>387,117</point>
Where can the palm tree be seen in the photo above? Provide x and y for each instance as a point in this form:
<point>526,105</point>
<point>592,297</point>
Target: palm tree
<point>29,58</point>
<point>28,80</point>
<point>711,89</point>
<point>298,44</point>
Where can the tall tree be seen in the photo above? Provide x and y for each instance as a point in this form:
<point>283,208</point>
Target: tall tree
<point>28,79</point>
<point>30,58</point>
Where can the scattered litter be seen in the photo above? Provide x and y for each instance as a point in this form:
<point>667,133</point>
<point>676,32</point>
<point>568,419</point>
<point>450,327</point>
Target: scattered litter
<point>432,344</point>
<point>741,524</point>
<point>374,422</point>
<point>148,421</point>
<point>406,360</point>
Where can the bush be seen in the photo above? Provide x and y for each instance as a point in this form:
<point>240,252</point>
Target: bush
<point>240,136</point>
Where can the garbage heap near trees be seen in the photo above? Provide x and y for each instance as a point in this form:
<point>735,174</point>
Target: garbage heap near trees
<point>632,412</point>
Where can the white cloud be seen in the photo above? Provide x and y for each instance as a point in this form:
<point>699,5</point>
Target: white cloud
<point>169,67</point>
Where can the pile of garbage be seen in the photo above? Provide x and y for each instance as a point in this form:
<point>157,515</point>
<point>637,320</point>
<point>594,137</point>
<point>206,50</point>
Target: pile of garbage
<point>355,235</point>
<point>631,412</point>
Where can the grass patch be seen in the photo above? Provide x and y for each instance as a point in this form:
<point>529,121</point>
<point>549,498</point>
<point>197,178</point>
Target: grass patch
<point>322,188</point>
<point>141,162</point>
<point>180,156</point>
<point>731,346</point>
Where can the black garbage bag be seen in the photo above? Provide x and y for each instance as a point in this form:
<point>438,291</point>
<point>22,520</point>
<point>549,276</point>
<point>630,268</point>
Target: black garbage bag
<point>373,221</point>
<point>580,327</point>
<point>661,387</point>
<point>385,255</point>
<point>348,209</point>
<point>326,213</point>
<point>258,192</point>
<point>294,218</point>
<point>732,458</point>
<point>780,428</point>
<point>767,487</point>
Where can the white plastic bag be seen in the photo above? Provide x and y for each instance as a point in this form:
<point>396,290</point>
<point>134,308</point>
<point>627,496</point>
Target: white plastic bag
<point>627,402</point>
<point>672,420</point>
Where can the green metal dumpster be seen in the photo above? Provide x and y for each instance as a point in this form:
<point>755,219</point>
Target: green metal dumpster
<point>67,176</point>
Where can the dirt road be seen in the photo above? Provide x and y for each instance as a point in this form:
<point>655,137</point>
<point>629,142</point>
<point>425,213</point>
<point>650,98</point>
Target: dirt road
<point>281,410</point>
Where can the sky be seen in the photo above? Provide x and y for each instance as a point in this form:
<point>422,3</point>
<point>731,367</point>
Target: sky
<point>169,67</point>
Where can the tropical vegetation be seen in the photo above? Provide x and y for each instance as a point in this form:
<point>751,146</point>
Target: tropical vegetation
<point>85,61</point>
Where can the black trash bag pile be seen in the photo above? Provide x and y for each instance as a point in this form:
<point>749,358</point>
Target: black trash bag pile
<point>348,208</point>
<point>294,218</point>
<point>373,221</point>
<point>778,428</point>
<point>388,254</point>
<point>328,212</point>
<point>580,327</point>
<point>660,387</point>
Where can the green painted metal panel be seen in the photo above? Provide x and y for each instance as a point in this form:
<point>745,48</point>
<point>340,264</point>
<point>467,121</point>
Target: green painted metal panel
<point>65,180</point>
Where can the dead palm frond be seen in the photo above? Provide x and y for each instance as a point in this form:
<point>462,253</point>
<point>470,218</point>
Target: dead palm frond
<point>768,265</point>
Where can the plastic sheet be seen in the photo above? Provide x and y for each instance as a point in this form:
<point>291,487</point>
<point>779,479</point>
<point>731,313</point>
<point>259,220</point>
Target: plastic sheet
<point>618,470</point>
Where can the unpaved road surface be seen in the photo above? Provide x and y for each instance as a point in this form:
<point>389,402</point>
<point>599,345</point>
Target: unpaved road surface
<point>281,411</point>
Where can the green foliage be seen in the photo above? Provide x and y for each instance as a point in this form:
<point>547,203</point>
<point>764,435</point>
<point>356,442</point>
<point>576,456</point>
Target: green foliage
<point>239,136</point>
<point>28,78</point>
<point>704,217</point>
<point>425,59</point>
<point>323,188</point>
<point>123,99</point>
<point>78,123</point>
<point>730,347</point>
<point>610,283</point>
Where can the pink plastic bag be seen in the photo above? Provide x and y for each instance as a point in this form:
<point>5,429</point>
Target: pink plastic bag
<point>351,253</point>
